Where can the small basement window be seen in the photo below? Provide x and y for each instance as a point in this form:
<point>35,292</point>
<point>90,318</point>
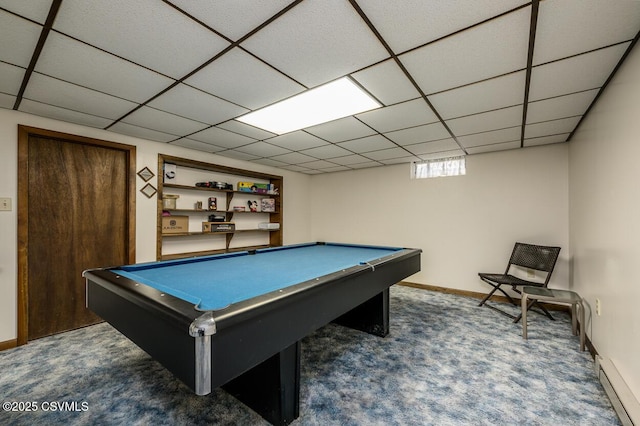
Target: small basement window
<point>451,166</point>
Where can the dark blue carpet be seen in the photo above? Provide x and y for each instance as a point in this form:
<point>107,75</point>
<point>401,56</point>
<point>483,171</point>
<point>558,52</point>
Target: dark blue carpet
<point>445,362</point>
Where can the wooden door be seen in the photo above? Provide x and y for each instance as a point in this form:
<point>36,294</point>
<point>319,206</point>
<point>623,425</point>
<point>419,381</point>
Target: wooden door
<point>76,214</point>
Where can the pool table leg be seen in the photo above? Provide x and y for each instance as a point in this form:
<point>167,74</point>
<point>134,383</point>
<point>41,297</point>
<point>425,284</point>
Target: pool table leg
<point>371,316</point>
<point>272,388</point>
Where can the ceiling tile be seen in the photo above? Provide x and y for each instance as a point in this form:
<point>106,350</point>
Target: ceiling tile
<point>7,101</point>
<point>443,145</point>
<point>370,143</point>
<point>318,164</point>
<point>78,63</point>
<point>197,145</point>
<point>295,168</point>
<point>143,31</point>
<point>399,116</point>
<point>263,149</point>
<point>549,128</point>
<point>494,48</point>
<point>608,22</point>
<point>386,154</point>
<point>365,165</point>
<point>294,158</point>
<point>19,38</point>
<point>337,169</point>
<point>326,151</point>
<point>316,42</point>
<point>297,141</point>
<point>239,77</point>
<point>560,107</point>
<point>442,154</point>
<point>66,95</point>
<point>426,133</point>
<point>37,10</point>
<point>493,120</point>
<point>141,132</point>
<point>269,162</point>
<point>416,22</point>
<point>341,130</point>
<point>349,160</point>
<point>11,78</point>
<point>231,153</point>
<point>232,18</point>
<point>245,129</point>
<point>197,105</point>
<point>152,118</point>
<point>62,114</point>
<point>584,72</point>
<point>400,160</point>
<point>495,147</point>
<point>387,82</point>
<point>221,137</point>
<point>544,140</point>
<point>488,138</point>
<point>488,95</point>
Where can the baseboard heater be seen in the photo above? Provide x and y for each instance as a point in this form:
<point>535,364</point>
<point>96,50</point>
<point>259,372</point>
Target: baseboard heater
<point>624,402</point>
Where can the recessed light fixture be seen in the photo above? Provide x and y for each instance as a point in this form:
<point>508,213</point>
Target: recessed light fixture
<point>331,101</point>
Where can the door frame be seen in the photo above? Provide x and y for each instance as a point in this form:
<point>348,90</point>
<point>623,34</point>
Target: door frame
<point>24,133</point>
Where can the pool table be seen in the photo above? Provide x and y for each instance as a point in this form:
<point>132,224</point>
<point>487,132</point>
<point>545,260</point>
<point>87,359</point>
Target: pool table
<point>235,320</point>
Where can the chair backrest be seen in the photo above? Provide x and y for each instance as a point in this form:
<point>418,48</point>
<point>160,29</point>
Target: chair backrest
<point>539,258</point>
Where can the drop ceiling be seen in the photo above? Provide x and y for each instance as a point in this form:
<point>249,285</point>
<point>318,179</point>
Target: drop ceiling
<point>455,77</point>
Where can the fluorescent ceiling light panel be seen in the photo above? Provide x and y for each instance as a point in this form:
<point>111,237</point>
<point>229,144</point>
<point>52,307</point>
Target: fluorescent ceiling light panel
<point>328,102</point>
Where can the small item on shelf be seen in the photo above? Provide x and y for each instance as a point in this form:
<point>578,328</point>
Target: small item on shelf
<point>169,173</point>
<point>268,205</point>
<point>198,205</point>
<point>175,224</point>
<point>215,185</point>
<point>216,218</point>
<point>267,225</point>
<point>213,203</point>
<point>169,201</point>
<point>245,186</point>
<point>218,226</point>
<point>253,206</point>
<point>239,208</point>
<point>261,188</point>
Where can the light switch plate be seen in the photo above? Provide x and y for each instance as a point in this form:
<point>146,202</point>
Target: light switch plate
<point>5,204</point>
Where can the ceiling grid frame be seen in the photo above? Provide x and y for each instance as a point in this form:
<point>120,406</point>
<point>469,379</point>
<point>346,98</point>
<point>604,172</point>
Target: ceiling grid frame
<point>472,113</point>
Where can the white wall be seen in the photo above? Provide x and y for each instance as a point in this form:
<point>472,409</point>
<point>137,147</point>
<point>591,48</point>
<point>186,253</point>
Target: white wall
<point>295,199</point>
<point>605,219</point>
<point>464,224</point>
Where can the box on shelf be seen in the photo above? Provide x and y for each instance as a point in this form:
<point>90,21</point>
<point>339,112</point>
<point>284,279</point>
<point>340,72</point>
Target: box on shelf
<point>175,224</point>
<point>169,201</point>
<point>268,205</point>
<point>256,188</point>
<point>245,186</point>
<point>267,225</point>
<point>218,226</point>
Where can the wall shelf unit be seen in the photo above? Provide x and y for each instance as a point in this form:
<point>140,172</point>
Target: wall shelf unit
<point>181,180</point>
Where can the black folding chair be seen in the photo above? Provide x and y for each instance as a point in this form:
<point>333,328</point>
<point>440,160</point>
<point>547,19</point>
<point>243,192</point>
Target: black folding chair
<point>527,256</point>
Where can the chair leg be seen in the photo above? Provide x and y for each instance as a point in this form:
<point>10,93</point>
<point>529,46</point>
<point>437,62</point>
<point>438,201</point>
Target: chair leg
<point>525,308</point>
<point>488,296</point>
<point>528,306</point>
<point>582,325</point>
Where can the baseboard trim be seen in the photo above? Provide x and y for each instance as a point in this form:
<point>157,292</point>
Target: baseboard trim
<point>9,344</point>
<point>478,295</point>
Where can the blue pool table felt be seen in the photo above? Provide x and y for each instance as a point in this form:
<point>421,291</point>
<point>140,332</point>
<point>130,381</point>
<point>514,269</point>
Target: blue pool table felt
<point>215,282</point>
